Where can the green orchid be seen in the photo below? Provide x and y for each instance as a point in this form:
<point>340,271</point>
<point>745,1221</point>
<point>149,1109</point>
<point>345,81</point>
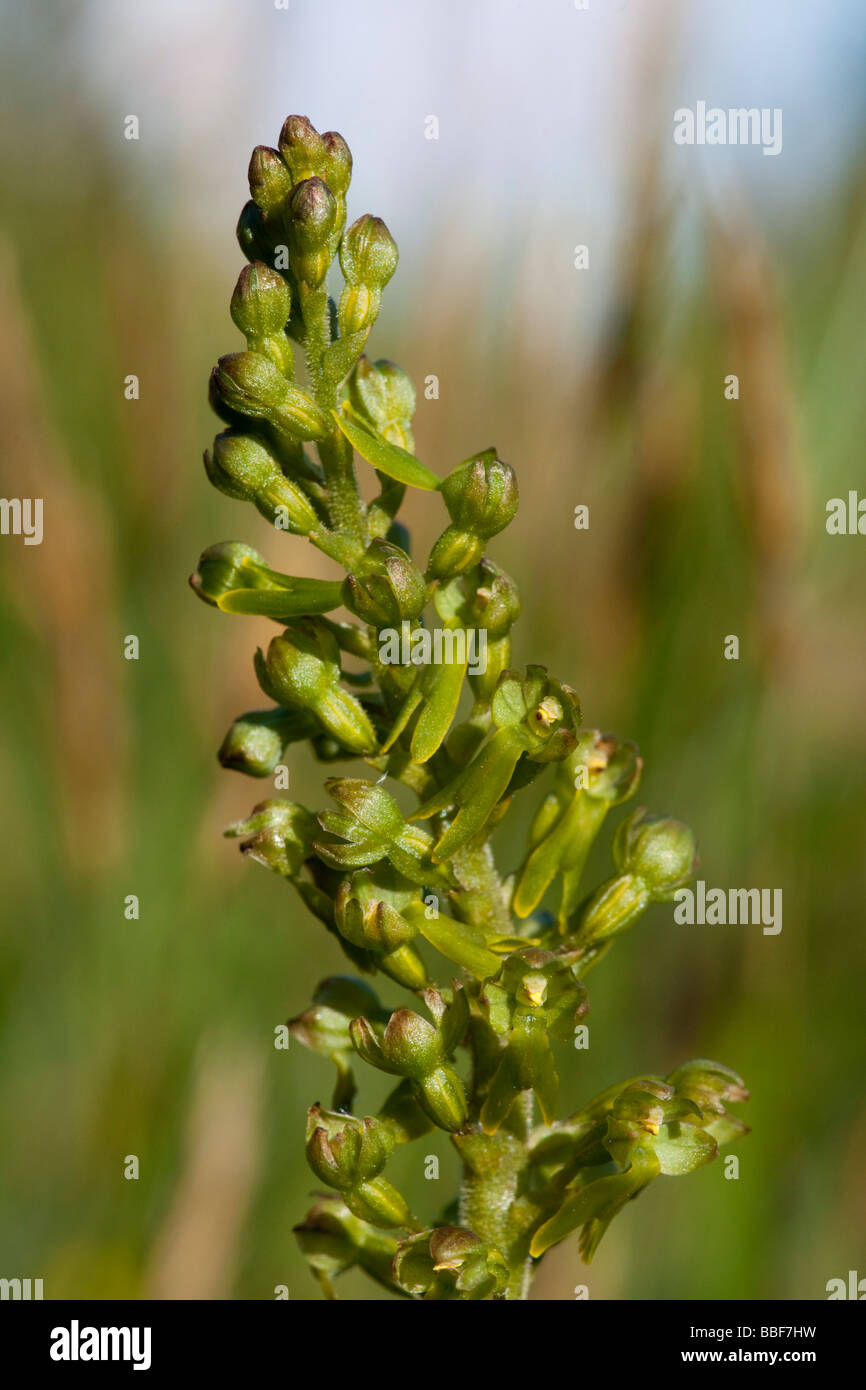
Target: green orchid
<point>407,665</point>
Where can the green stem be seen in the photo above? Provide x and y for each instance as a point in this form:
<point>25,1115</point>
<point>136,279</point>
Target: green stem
<point>346,550</point>
<point>345,508</point>
<point>492,1194</point>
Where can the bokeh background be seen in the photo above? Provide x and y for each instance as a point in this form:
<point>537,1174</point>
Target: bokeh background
<point>154,1037</point>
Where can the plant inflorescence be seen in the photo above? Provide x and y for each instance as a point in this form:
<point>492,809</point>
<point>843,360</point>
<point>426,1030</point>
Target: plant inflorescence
<point>429,700</point>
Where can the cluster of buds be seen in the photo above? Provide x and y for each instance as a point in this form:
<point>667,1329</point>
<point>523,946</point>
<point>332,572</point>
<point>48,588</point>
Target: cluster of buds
<point>409,889</point>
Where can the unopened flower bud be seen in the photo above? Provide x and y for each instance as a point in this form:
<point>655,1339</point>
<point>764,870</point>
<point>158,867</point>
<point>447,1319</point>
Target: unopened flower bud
<point>303,670</point>
<point>233,577</point>
<point>336,163</point>
<point>658,849</point>
<point>242,467</point>
<point>302,148</point>
<point>481,497</point>
<point>368,253</point>
<point>255,238</point>
<point>270,181</point>
<point>412,1044</point>
<point>375,925</point>
<point>311,216</point>
<point>412,1047</point>
<point>383,394</point>
<point>246,385</point>
<point>655,856</point>
<point>256,742</point>
<point>368,258</point>
<point>260,307</point>
<point>390,591</point>
<point>225,566</point>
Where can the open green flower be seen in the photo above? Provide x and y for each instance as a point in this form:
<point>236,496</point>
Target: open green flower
<point>449,1262</point>
<point>536,996</point>
<point>372,827</point>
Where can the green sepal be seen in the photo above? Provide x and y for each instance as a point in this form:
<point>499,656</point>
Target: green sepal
<point>535,716</point>
<point>598,774</point>
<point>568,842</point>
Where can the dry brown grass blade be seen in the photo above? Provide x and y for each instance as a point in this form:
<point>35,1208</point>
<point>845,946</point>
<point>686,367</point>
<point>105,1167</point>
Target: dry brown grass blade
<point>767,469</point>
<point>195,1253</point>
